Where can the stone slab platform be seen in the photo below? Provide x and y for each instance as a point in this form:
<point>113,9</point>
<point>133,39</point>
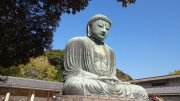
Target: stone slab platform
<point>91,98</point>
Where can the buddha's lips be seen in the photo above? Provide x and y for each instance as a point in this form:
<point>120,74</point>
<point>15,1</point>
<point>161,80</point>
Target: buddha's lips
<point>102,34</point>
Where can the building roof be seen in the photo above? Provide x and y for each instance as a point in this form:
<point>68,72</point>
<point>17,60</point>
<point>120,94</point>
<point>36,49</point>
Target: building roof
<point>166,90</point>
<point>16,82</point>
<point>156,78</point>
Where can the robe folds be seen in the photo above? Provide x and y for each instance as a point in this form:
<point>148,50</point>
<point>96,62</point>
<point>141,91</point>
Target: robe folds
<point>83,76</point>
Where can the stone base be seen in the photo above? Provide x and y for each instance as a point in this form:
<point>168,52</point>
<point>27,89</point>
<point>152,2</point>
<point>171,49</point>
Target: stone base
<point>91,98</point>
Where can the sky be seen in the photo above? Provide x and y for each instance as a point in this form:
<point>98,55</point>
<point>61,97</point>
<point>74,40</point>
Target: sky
<point>145,36</point>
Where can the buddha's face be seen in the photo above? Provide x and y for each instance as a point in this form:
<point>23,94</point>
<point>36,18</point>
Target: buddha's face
<point>100,29</point>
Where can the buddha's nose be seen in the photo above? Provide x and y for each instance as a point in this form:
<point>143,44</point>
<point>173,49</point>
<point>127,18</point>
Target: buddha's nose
<point>103,31</point>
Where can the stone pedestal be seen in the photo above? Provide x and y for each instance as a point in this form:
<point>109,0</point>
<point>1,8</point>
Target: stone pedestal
<point>91,98</point>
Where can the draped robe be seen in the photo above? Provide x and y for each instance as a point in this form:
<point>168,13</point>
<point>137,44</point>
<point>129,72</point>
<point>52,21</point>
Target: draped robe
<point>82,72</point>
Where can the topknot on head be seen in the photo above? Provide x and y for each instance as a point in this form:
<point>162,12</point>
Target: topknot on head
<point>99,17</point>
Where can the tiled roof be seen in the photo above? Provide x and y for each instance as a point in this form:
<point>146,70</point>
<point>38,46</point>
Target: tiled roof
<point>155,78</point>
<point>17,82</point>
<point>166,90</point>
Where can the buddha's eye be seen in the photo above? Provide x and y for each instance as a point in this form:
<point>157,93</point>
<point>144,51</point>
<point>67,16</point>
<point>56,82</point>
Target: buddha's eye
<point>100,26</point>
<point>107,28</point>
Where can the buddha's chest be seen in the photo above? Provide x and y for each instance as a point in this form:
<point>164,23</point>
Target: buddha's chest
<point>100,52</point>
<point>101,59</point>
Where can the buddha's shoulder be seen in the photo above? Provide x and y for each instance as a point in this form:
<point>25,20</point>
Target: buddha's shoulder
<point>79,39</point>
<point>108,47</point>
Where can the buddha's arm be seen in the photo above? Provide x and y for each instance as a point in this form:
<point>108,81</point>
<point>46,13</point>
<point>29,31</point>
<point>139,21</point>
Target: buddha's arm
<point>77,59</point>
<point>86,74</point>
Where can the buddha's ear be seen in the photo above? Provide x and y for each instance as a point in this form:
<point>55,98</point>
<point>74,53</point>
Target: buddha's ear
<point>88,31</point>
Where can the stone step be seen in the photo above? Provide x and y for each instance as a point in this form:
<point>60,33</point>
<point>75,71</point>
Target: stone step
<point>91,98</point>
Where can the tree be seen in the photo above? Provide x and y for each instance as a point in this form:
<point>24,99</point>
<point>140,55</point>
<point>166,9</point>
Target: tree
<point>11,71</point>
<point>27,26</point>
<point>55,57</point>
<point>175,72</point>
<point>37,68</point>
<point>125,3</point>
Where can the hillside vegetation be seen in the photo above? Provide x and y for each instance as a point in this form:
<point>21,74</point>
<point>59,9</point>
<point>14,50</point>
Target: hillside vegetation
<point>46,67</point>
<point>122,76</point>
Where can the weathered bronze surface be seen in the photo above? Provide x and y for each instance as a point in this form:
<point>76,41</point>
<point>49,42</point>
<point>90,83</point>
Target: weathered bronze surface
<point>90,65</point>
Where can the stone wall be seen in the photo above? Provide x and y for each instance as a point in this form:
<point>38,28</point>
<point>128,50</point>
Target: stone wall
<point>174,82</point>
<point>91,98</point>
<point>171,98</point>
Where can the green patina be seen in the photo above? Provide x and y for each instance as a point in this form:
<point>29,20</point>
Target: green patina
<point>90,65</point>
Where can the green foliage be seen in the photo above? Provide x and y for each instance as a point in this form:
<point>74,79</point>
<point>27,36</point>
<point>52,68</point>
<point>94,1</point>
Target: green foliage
<point>27,26</point>
<point>125,3</point>
<point>48,67</point>
<point>122,76</point>
<point>59,75</point>
<point>12,71</point>
<point>175,72</point>
<point>37,68</point>
<point>55,57</point>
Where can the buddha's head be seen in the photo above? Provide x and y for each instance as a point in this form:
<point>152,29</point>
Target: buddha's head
<point>98,27</point>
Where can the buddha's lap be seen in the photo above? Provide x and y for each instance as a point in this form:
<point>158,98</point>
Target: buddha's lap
<point>80,83</point>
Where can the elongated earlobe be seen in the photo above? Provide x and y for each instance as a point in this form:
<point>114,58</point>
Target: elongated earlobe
<point>88,31</point>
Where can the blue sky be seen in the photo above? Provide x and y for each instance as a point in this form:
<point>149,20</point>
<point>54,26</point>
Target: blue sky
<point>145,36</point>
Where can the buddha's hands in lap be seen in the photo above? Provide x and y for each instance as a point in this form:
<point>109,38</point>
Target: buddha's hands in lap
<point>120,82</point>
<point>110,80</point>
<point>86,74</point>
